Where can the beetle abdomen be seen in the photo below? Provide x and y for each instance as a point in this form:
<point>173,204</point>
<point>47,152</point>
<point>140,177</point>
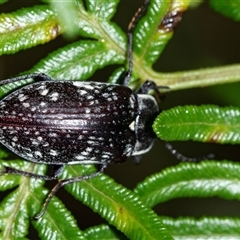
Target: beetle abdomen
<point>69,122</point>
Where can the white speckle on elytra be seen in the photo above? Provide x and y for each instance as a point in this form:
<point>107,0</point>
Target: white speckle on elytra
<point>33,109</point>
<point>42,104</point>
<point>80,157</point>
<point>85,153</point>
<point>44,92</point>
<point>91,103</point>
<point>90,97</point>
<point>15,139</point>
<point>41,87</point>
<point>29,155</point>
<point>37,153</point>
<point>54,96</point>
<point>52,135</point>
<point>77,83</point>
<point>88,149</point>
<point>22,97</point>
<point>34,142</point>
<point>82,92</point>
<point>53,152</point>
<point>92,137</point>
<point>87,110</point>
<point>39,138</point>
<point>25,104</point>
<point>109,88</point>
<point>46,144</point>
<point>12,132</point>
<point>106,95</point>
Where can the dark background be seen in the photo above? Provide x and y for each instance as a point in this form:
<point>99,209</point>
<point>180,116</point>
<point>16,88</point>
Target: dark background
<point>203,38</point>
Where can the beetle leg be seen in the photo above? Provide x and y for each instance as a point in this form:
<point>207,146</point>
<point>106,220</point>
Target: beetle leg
<point>64,182</point>
<point>10,170</point>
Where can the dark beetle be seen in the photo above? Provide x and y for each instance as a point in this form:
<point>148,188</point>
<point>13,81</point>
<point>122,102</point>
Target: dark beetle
<point>72,122</point>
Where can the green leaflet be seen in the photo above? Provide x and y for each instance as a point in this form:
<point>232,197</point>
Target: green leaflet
<point>230,8</point>
<point>102,232</point>
<point>27,28</point>
<point>207,228</point>
<point>117,205</point>
<point>207,123</point>
<point>206,179</point>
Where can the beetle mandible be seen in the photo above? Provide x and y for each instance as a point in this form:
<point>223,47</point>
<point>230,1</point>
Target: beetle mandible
<point>72,122</point>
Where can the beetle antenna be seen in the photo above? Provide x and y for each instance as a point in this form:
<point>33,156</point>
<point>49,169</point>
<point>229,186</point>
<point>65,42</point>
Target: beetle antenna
<point>131,28</point>
<point>183,158</point>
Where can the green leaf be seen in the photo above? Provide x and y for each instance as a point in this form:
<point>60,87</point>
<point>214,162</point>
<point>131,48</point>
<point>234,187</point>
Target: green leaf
<point>101,232</point>
<point>78,60</point>
<point>207,123</point>
<point>23,203</point>
<point>10,181</point>
<point>118,205</point>
<point>148,42</point>
<point>206,179</point>
<point>152,36</point>
<point>207,228</point>
<point>26,28</point>
<point>14,214</point>
<point>102,9</point>
<point>230,8</point>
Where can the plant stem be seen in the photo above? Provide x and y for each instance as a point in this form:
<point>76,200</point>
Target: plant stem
<point>195,78</point>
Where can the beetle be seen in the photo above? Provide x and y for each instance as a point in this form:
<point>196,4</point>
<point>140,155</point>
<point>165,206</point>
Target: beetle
<point>72,122</point>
